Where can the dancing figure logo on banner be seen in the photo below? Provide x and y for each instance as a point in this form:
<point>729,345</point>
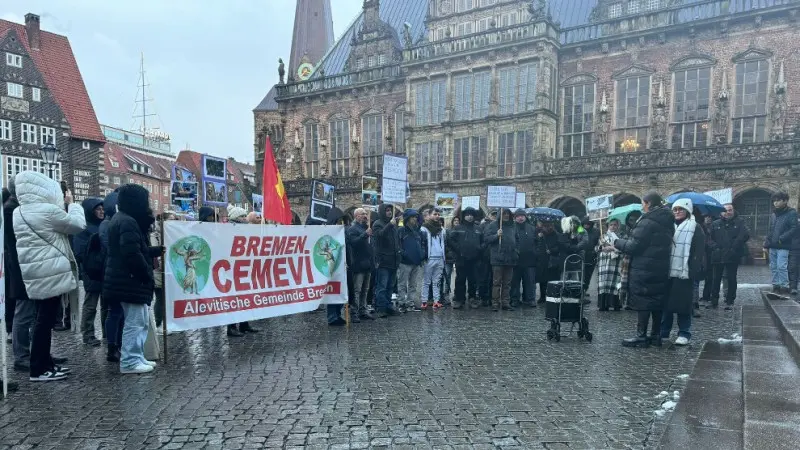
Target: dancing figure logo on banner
<point>220,274</point>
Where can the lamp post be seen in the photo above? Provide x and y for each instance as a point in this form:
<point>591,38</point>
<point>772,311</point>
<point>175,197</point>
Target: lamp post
<point>50,155</point>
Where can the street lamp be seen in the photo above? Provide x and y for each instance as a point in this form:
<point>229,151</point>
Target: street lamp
<point>50,156</point>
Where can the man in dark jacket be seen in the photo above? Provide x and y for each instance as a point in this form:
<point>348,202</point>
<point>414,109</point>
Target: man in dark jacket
<point>358,238</point>
<point>467,242</point>
<point>129,273</point>
<point>412,257</point>
<point>794,261</point>
<point>727,237</point>
<point>115,318</point>
<point>550,254</point>
<point>650,248</point>
<point>501,240</point>
<point>387,253</point>
<point>93,210</point>
<point>782,225</point>
<point>524,271</point>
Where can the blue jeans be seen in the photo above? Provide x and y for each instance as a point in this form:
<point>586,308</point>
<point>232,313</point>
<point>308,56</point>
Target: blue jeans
<point>383,289</point>
<point>684,325</point>
<point>114,323</point>
<point>779,266</point>
<point>133,335</point>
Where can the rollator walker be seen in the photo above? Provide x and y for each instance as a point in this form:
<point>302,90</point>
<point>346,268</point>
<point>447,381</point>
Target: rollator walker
<point>564,301</point>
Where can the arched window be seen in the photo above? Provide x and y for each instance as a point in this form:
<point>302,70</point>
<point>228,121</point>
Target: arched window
<point>754,207</point>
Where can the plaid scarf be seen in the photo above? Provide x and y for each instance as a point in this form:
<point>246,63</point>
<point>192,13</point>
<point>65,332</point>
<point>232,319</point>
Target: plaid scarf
<point>681,248</point>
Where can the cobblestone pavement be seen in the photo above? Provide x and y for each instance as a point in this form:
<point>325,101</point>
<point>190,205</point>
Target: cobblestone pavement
<point>450,379</point>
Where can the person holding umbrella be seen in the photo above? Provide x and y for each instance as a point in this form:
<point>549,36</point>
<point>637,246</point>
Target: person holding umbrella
<point>550,252</point>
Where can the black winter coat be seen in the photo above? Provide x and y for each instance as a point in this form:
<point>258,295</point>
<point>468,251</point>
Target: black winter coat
<point>588,244</point>
<point>550,253</point>
<point>526,244</point>
<point>505,253</point>
<point>15,286</point>
<point>81,240</point>
<point>384,238</point>
<point>650,249</point>
<point>360,248</point>
<point>726,240</point>
<point>466,240</point>
<point>782,225</point>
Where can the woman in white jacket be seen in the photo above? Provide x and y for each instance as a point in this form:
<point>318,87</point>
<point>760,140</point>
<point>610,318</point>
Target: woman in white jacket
<point>42,228</point>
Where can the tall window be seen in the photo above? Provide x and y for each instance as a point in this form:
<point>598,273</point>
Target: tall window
<point>14,89</point>
<point>5,130</point>
<point>340,147</point>
<point>430,102</point>
<point>578,120</point>
<point>750,102</point>
<point>372,128</point>
<point>515,154</point>
<point>505,155</point>
<point>430,161</point>
<point>518,89</point>
<point>469,158</point>
<point>692,97</point>
<point>312,150</point>
<point>48,135</point>
<point>28,134</point>
<point>16,164</point>
<point>633,114</point>
<point>472,96</point>
<point>399,134</point>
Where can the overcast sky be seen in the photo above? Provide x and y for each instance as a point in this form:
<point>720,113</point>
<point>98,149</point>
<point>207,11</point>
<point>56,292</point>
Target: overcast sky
<point>208,63</point>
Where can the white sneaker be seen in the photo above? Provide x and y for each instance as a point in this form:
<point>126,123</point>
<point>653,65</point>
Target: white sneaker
<point>141,368</point>
<point>682,341</point>
<point>50,376</point>
<point>150,363</point>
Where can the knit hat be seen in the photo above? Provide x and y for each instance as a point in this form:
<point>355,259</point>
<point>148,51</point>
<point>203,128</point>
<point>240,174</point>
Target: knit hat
<point>235,212</point>
<point>683,203</point>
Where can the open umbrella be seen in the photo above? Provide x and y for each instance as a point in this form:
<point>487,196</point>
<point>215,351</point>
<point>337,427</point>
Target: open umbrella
<point>708,205</point>
<point>542,214</point>
<point>621,214</point>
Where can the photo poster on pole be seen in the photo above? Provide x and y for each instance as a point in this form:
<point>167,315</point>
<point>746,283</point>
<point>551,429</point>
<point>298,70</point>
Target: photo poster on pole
<point>323,198</point>
<point>447,202</point>
<point>598,207</point>
<point>723,196</point>
<point>258,203</point>
<point>369,193</point>
<point>394,188</point>
<point>215,185</point>
<point>183,191</point>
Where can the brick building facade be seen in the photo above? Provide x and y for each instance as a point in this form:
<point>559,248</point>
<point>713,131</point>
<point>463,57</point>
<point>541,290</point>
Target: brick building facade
<point>565,101</point>
<point>43,99</point>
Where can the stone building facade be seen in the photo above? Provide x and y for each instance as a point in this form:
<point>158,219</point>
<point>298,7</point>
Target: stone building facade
<point>564,100</point>
<point>43,100</point>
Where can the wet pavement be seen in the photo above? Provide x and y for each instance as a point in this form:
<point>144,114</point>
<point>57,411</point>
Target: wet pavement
<point>450,379</point>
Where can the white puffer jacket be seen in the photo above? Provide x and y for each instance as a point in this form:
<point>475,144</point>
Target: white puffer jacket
<point>42,228</point>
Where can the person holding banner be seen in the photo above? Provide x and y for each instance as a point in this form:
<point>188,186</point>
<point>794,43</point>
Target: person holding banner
<point>387,253</point>
<point>358,238</point>
<point>129,274</point>
<point>42,227</point>
<point>501,240</point>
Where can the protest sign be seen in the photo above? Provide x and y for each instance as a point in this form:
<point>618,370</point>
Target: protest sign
<point>501,197</point>
<point>598,207</point>
<point>473,202</point>
<point>520,200</point>
<point>218,274</point>
<point>322,200</point>
<point>723,196</point>
<point>258,203</point>
<point>215,185</point>
<point>395,179</point>
<point>447,203</point>
<point>183,191</point>
<point>369,192</point>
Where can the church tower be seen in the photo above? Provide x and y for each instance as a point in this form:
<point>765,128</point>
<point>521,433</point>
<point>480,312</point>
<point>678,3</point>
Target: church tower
<point>312,37</point>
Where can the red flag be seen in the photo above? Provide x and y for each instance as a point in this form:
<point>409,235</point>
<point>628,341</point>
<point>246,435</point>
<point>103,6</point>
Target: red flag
<point>276,203</point>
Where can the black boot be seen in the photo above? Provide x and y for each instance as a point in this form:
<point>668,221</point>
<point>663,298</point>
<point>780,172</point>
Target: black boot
<point>113,354</point>
<point>233,332</point>
<point>655,341</point>
<point>641,339</point>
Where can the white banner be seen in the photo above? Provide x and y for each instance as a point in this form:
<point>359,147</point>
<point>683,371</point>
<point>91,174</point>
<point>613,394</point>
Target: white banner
<point>520,200</point>
<point>501,197</point>
<point>218,274</point>
<point>473,202</point>
<point>722,195</point>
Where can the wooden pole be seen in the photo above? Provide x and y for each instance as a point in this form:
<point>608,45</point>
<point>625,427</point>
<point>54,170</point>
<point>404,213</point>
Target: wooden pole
<point>163,289</point>
<point>500,227</point>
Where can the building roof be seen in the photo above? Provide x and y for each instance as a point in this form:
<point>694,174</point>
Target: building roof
<point>160,166</point>
<point>268,103</point>
<point>56,62</point>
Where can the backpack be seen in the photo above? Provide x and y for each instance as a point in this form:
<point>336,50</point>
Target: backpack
<point>94,258</point>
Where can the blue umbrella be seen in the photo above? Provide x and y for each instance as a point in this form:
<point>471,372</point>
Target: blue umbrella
<point>542,214</point>
<point>707,204</point>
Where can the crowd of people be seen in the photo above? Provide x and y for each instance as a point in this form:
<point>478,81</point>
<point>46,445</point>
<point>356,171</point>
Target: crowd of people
<point>651,261</point>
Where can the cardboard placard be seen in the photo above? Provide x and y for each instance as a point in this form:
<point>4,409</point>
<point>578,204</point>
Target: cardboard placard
<point>501,197</point>
<point>473,202</point>
<point>598,207</point>
<point>395,167</point>
<point>721,195</point>
<point>393,191</point>
<point>447,203</point>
